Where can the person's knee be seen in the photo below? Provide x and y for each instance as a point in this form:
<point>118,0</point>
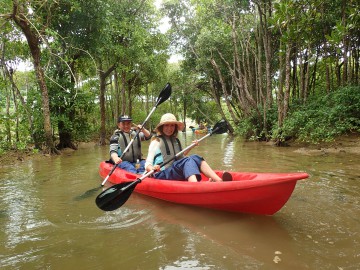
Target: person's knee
<point>197,159</point>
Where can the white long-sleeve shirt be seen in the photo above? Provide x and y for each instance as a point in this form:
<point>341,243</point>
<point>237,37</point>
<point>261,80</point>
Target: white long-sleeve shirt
<point>154,148</point>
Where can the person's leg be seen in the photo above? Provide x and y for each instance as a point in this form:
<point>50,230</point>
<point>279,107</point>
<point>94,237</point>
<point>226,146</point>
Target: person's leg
<point>127,166</point>
<point>206,169</point>
<point>192,178</point>
<point>184,169</point>
<point>210,173</point>
<point>169,174</point>
<point>191,167</point>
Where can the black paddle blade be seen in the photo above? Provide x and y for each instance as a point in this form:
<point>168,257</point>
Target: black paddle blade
<point>220,127</point>
<point>115,196</point>
<point>164,94</point>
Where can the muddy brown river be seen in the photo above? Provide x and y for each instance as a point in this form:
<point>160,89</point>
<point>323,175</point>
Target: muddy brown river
<point>46,223</point>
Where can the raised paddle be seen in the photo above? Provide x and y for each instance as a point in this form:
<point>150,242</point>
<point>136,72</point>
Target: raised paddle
<point>163,96</point>
<point>115,196</point>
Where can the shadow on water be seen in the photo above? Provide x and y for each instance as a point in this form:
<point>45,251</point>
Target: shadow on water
<point>88,194</point>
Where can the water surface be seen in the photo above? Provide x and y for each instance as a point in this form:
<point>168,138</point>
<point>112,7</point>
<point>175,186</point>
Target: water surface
<point>44,224</point>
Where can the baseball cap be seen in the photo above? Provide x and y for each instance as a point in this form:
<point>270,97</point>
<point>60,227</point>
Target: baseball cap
<point>123,118</point>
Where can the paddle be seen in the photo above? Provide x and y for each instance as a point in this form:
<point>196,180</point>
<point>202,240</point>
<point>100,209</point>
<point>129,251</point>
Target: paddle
<point>115,196</point>
<point>163,96</point>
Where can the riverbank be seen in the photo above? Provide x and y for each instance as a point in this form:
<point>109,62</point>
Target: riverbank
<point>345,144</point>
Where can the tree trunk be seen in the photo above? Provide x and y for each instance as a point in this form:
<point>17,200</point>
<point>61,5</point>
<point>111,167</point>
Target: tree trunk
<point>294,78</point>
<point>264,47</point>
<point>217,100</point>
<point>67,110</point>
<point>129,86</point>
<point>102,77</point>
<point>17,95</point>
<point>8,121</point>
<point>34,45</point>
<point>223,87</point>
<point>264,14</point>
<point>65,137</point>
<point>345,41</point>
<point>356,64</point>
<point>117,96</point>
<point>259,75</point>
<point>123,92</point>
<point>287,81</point>
<point>280,93</point>
<point>102,106</point>
<point>307,73</point>
<point>184,112</point>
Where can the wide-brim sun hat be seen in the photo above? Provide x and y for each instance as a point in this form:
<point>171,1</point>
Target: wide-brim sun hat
<point>169,118</point>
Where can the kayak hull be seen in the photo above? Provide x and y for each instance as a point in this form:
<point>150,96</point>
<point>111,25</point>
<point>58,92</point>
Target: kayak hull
<point>254,193</point>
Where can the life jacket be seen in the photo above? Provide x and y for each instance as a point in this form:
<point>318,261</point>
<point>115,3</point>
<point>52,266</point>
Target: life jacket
<point>169,147</point>
<point>134,151</point>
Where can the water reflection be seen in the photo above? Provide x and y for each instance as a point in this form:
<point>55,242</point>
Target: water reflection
<point>18,216</point>
<point>229,151</point>
<point>240,239</point>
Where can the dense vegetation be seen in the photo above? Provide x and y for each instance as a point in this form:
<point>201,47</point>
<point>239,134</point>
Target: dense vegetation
<point>320,119</point>
<point>273,69</point>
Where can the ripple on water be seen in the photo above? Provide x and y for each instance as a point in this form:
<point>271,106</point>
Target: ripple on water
<point>121,218</point>
<point>23,258</point>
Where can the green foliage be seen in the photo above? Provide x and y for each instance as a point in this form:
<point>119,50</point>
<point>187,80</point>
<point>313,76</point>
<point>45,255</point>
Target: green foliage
<point>83,37</point>
<point>321,119</point>
<point>85,123</point>
<point>325,117</point>
<point>247,129</point>
<point>252,127</point>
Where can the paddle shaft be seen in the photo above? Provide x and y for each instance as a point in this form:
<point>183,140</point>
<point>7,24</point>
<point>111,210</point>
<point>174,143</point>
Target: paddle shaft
<point>159,101</point>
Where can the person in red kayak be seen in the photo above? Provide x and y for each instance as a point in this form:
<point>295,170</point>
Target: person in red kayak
<point>132,160</point>
<point>166,145</point>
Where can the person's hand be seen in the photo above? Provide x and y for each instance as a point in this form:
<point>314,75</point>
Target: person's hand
<point>118,161</point>
<point>136,127</point>
<point>195,142</point>
<point>154,168</point>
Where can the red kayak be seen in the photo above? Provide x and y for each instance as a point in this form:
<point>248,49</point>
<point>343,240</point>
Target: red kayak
<point>255,193</point>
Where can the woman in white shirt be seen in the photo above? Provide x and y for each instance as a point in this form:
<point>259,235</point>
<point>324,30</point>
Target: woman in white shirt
<point>166,145</point>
